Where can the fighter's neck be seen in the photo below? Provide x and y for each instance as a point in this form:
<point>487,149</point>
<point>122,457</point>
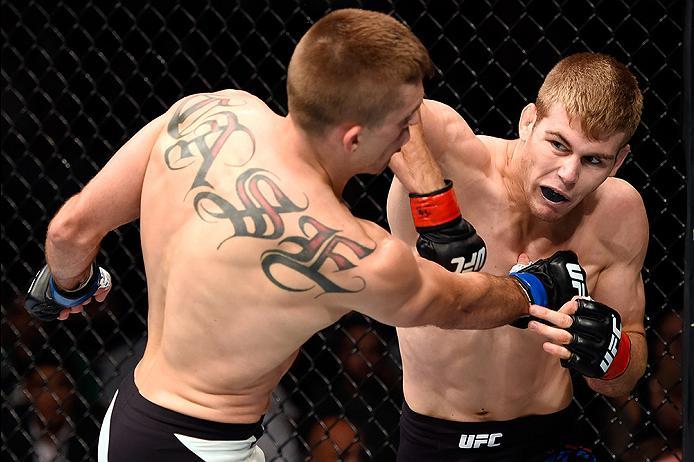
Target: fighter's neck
<point>316,154</point>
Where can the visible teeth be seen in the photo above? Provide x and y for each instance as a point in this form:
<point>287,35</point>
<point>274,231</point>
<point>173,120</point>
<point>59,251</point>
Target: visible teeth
<point>552,195</point>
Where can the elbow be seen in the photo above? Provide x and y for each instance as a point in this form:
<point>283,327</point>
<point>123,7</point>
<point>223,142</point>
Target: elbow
<point>61,229</point>
<point>610,390</point>
<point>69,228</point>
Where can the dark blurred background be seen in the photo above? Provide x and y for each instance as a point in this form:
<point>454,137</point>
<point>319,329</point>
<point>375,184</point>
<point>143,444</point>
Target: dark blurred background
<point>80,78</point>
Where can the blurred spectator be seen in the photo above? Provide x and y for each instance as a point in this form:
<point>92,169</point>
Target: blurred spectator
<point>665,384</point>
<point>363,353</point>
<point>334,439</point>
<point>351,369</point>
<point>662,428</point>
<point>369,386</point>
<point>620,431</point>
<point>21,338</point>
<point>51,393</point>
<point>48,425</point>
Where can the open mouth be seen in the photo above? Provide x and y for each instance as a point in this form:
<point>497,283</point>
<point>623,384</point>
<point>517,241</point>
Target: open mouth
<point>551,195</point>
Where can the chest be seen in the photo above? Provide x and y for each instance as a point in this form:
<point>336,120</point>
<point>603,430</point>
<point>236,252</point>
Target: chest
<point>496,221</point>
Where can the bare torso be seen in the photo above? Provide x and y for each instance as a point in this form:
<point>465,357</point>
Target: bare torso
<point>229,303</point>
<point>501,373</point>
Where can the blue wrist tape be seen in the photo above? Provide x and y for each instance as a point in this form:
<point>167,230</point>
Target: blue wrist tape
<point>534,286</point>
<point>70,299</point>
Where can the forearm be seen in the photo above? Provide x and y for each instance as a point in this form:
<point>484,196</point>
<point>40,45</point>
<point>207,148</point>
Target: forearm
<point>425,173</point>
<point>415,166</point>
<point>626,382</point>
<point>71,246</point>
<point>481,301</point>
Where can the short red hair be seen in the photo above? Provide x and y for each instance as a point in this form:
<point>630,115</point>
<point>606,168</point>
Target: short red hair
<point>349,67</point>
<point>597,90</point>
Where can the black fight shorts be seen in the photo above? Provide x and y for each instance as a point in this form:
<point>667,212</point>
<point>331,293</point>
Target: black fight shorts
<point>542,438</point>
<point>137,430</point>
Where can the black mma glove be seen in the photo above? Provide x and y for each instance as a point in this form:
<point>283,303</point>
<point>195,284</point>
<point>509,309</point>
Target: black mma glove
<point>551,282</point>
<point>599,348</point>
<point>45,300</point>
<point>445,237</point>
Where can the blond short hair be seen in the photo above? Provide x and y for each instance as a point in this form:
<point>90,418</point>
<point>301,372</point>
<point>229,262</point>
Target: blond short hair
<point>597,90</point>
<point>349,67</point>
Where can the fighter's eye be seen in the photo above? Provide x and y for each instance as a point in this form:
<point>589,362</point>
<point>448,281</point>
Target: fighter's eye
<point>557,145</point>
<point>593,160</point>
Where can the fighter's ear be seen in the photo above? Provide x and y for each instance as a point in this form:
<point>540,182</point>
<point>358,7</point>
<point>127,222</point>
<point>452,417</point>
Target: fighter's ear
<point>351,137</point>
<point>619,160</point>
<point>527,121</point>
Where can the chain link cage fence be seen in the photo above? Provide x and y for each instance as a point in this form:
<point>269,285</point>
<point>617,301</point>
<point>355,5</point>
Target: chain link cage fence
<point>79,78</point>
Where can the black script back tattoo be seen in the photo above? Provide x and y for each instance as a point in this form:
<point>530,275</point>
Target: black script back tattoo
<point>314,251</point>
<point>258,210</point>
<point>202,129</point>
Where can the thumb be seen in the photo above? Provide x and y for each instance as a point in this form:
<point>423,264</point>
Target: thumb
<point>397,163</point>
<point>401,171</point>
<point>100,295</point>
<point>523,259</point>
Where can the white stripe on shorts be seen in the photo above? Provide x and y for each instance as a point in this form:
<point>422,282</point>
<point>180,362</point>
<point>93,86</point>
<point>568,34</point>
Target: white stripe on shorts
<point>223,451</point>
<point>106,431</point>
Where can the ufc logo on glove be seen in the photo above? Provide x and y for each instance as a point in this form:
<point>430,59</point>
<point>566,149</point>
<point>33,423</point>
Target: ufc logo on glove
<point>475,262</point>
<point>577,279</point>
<point>611,352</point>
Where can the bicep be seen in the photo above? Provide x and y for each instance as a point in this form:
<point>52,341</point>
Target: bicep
<point>620,286</point>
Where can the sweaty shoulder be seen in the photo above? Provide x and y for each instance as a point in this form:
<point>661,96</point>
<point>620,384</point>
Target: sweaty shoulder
<point>618,211</point>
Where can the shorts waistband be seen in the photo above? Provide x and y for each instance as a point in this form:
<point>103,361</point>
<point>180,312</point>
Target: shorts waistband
<point>193,426</point>
<point>513,432</point>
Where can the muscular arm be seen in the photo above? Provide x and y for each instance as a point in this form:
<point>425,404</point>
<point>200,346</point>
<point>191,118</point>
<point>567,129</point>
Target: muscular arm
<point>405,290</point>
<point>621,287</point>
<point>448,141</point>
<point>109,200</point>
<point>426,293</point>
